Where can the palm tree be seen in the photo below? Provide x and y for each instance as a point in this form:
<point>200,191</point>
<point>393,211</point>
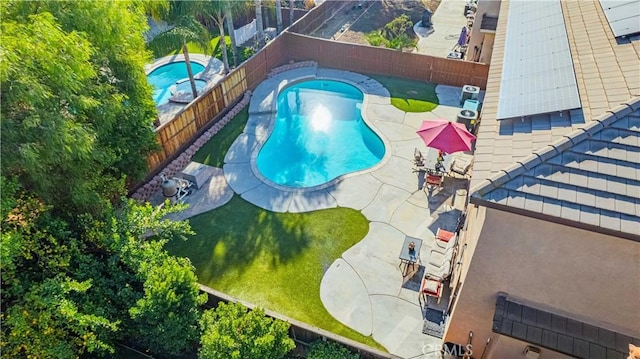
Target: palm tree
<point>259,26</point>
<point>232,8</point>
<point>215,10</point>
<point>185,28</point>
<point>228,16</point>
<point>279,15</point>
<point>291,2</point>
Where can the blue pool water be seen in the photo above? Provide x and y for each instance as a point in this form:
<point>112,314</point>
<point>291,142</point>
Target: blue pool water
<point>318,135</point>
<point>166,76</point>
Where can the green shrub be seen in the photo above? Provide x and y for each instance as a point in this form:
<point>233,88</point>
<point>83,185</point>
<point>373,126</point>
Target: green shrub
<point>401,42</point>
<point>329,350</point>
<point>375,38</point>
<point>398,26</point>
<point>231,331</point>
<point>217,48</point>
<point>247,53</point>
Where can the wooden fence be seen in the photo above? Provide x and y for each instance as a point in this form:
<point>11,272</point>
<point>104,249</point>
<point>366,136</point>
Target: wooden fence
<point>382,61</point>
<point>177,134</point>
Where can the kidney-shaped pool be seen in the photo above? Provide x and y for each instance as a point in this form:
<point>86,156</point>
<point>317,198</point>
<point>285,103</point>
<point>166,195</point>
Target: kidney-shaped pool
<point>318,135</point>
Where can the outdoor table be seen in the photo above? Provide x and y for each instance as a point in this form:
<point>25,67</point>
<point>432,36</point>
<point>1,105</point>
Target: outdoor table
<point>408,257</point>
<point>431,161</point>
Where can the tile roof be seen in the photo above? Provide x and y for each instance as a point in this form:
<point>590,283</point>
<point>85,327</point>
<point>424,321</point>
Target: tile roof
<point>591,176</point>
<point>607,74</point>
<point>550,329</point>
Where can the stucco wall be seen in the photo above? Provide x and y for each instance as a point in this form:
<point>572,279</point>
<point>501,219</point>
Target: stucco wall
<point>467,244</point>
<point>588,276</point>
<point>487,48</point>
<point>482,40</point>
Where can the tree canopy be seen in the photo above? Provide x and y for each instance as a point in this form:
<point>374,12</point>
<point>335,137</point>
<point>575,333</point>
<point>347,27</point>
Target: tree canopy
<point>83,268</point>
<point>77,110</point>
<point>67,291</point>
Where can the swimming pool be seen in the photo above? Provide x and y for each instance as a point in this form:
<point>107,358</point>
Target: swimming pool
<point>165,76</point>
<point>318,135</point>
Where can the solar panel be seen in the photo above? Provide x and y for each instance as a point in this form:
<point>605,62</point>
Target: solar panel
<point>537,71</point>
<point>623,16</point>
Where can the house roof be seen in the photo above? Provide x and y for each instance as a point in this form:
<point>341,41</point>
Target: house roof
<point>570,145</point>
<point>607,74</point>
<point>590,177</point>
<point>548,328</point>
<point>622,16</point>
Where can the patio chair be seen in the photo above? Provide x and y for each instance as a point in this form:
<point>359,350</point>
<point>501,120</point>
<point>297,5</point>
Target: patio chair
<point>430,287</point>
<point>439,263</point>
<point>445,239</point>
<point>418,158</point>
<point>432,180</point>
<point>461,165</point>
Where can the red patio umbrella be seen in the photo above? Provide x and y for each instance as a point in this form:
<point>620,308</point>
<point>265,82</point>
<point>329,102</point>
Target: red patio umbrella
<point>445,135</point>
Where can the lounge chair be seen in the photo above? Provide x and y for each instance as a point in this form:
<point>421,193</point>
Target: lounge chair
<point>444,240</point>
<point>439,263</point>
<point>443,272</point>
<point>461,165</point>
<point>430,287</point>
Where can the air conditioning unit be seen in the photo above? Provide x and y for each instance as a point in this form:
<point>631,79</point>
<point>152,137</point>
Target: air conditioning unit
<point>531,352</point>
<point>468,118</point>
<point>469,93</point>
<point>471,105</point>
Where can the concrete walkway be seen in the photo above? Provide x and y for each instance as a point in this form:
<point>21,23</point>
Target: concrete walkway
<point>365,288</point>
<point>448,21</point>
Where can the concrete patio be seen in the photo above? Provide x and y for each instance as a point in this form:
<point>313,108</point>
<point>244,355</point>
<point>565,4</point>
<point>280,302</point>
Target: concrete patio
<point>365,288</point>
<point>448,21</point>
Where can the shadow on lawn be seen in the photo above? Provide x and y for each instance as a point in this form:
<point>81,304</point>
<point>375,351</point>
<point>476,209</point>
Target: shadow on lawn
<point>235,235</point>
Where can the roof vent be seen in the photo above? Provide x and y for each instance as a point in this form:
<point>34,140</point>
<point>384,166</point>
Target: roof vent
<point>469,93</point>
<point>531,352</point>
<point>468,118</point>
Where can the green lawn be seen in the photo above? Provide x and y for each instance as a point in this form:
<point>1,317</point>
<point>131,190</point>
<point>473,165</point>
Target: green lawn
<point>213,152</point>
<point>409,95</point>
<point>274,260</point>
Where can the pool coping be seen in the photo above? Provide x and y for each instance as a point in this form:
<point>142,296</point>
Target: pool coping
<point>262,111</point>
<point>201,59</point>
<point>271,124</point>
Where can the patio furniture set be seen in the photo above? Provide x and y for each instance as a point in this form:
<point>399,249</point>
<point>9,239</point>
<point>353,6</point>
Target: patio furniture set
<point>446,137</point>
<point>438,267</point>
<point>434,177</point>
